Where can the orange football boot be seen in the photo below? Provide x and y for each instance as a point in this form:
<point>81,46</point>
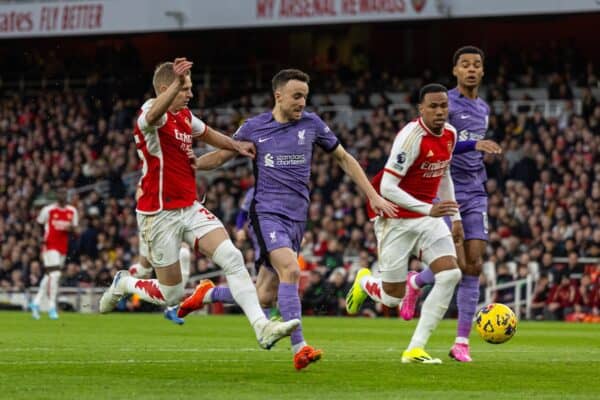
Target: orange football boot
<point>305,356</point>
<point>196,300</point>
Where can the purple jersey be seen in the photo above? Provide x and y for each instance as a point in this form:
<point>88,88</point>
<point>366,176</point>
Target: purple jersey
<point>283,161</point>
<point>470,118</point>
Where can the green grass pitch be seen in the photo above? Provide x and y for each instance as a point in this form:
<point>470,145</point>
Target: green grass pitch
<point>135,356</point>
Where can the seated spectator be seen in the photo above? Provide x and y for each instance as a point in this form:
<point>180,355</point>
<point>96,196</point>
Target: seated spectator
<point>561,300</point>
<point>540,296</point>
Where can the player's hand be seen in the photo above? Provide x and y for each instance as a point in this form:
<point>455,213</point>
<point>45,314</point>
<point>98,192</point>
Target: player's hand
<point>444,208</point>
<point>181,66</point>
<point>246,149</point>
<point>488,146</point>
<point>458,233</point>
<point>383,207</point>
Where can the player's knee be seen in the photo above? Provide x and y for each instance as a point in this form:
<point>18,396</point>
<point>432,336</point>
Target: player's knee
<point>290,272</point>
<point>473,269</point>
<point>229,258</point>
<point>449,277</point>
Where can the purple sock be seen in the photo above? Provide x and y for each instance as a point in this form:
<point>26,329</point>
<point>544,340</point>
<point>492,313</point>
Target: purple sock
<point>425,277</point>
<point>290,308</point>
<point>466,299</point>
<point>221,294</point>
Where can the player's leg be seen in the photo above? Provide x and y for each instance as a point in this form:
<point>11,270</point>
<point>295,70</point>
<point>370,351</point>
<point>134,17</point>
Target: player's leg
<point>278,242</point>
<point>395,242</point>
<point>206,233</point>
<point>267,287</point>
<point>206,292</point>
<point>416,281</point>
<point>42,291</point>
<point>53,284</point>
<point>160,234</point>
<point>285,262</point>
<point>143,270</point>
<point>467,298</point>
<point>217,245</point>
<point>475,237</point>
<point>438,251</point>
<point>53,261</point>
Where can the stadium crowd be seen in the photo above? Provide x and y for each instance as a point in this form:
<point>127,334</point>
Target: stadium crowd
<point>544,191</point>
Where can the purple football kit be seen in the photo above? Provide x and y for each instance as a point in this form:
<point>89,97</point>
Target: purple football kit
<point>282,167</point>
<point>470,118</point>
<point>279,208</point>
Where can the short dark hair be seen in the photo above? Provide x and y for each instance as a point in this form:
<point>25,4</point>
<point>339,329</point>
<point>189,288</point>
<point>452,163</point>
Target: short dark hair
<point>431,88</point>
<point>286,75</point>
<point>467,50</point>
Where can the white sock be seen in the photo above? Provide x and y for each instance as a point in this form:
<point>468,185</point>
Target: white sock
<point>435,306</point>
<point>42,291</point>
<point>207,299</point>
<point>184,262</point>
<point>230,259</point>
<point>147,289</point>
<point>372,286</point>
<point>461,340</point>
<point>244,293</point>
<point>172,293</point>
<point>53,289</point>
<point>298,346</point>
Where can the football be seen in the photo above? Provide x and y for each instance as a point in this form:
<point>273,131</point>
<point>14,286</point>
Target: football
<point>496,323</point>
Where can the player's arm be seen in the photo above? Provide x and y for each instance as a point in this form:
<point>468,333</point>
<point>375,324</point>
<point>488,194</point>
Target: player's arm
<point>214,159</point>
<point>390,190</point>
<point>356,173</point>
<point>484,146</point>
<point>161,104</point>
<point>221,141</point>
<point>446,192</point>
<point>42,216</point>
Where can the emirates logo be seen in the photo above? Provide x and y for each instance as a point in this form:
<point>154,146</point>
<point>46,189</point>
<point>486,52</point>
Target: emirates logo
<point>418,5</point>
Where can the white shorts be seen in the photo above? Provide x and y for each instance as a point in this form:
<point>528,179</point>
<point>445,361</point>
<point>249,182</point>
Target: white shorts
<point>397,239</point>
<point>161,234</point>
<point>53,258</point>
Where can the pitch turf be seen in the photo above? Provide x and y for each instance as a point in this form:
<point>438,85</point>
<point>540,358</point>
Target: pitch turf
<point>127,356</point>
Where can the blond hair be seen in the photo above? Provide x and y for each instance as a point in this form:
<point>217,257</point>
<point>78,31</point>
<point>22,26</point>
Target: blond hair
<point>163,75</point>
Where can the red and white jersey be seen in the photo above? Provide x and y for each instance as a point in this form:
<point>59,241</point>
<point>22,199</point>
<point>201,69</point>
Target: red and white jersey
<point>56,221</point>
<point>419,158</point>
<point>168,180</point>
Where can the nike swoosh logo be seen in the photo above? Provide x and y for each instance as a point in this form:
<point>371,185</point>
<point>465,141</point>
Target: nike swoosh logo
<point>261,140</point>
<point>464,116</point>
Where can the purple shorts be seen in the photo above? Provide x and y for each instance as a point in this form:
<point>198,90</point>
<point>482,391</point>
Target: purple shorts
<point>473,211</point>
<point>271,232</point>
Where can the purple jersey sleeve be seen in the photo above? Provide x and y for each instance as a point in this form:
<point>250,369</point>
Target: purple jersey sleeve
<point>464,147</point>
<point>325,137</point>
<point>244,132</point>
